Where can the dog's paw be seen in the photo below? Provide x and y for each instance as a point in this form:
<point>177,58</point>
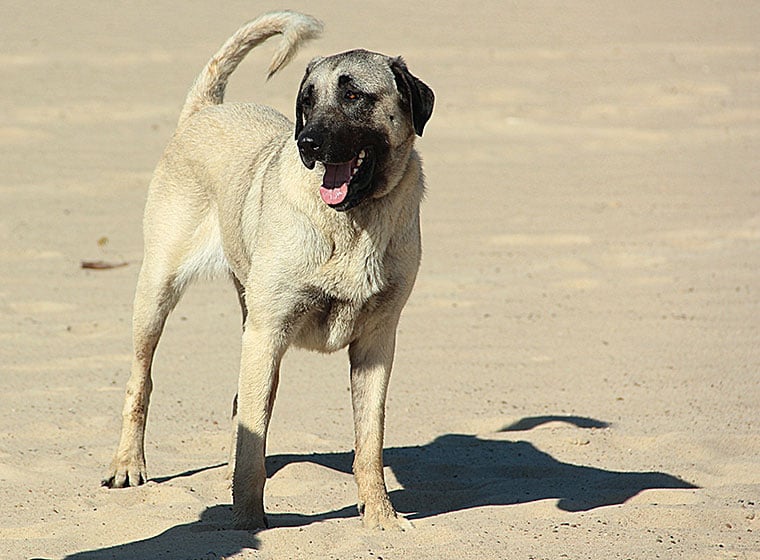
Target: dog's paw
<point>249,522</point>
<point>381,515</point>
<point>124,474</point>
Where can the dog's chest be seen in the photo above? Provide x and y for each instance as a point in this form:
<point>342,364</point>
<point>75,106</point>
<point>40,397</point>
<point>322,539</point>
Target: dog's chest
<point>351,267</point>
<point>328,325</point>
<point>341,290</point>
<point>352,276</point>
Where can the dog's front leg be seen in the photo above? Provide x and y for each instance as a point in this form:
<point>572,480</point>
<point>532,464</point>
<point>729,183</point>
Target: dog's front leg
<point>371,360</point>
<point>259,375</point>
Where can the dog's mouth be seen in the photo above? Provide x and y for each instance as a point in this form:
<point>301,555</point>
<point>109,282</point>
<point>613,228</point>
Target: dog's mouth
<point>345,184</point>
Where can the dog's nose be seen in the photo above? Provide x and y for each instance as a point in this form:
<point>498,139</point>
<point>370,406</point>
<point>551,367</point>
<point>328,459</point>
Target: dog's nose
<point>310,148</point>
<point>309,145</point>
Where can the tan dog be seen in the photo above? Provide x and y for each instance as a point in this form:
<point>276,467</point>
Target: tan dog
<point>320,235</point>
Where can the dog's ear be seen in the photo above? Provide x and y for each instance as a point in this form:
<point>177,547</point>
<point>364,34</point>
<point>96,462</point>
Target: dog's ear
<point>301,94</point>
<point>415,94</point>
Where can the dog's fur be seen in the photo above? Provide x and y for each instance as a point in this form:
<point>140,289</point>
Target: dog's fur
<point>320,260</point>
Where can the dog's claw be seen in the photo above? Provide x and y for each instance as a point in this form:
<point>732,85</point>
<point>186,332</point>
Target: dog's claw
<point>125,477</point>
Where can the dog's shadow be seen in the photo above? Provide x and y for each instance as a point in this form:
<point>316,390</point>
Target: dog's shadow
<point>452,473</point>
<point>456,472</point>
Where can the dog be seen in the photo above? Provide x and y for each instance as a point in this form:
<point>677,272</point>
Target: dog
<point>316,223</point>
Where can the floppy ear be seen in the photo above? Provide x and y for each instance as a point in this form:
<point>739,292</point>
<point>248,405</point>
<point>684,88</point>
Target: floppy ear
<point>299,98</point>
<point>415,93</point>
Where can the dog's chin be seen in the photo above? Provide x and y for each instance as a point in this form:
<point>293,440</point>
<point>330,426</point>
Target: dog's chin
<point>346,185</point>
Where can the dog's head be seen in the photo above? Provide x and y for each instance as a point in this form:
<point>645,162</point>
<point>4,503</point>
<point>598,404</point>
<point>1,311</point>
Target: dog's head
<point>357,113</point>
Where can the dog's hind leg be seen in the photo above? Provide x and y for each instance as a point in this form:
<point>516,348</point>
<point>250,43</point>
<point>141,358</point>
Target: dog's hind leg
<point>241,297</point>
<point>179,245</point>
<point>244,309</point>
<point>155,297</point>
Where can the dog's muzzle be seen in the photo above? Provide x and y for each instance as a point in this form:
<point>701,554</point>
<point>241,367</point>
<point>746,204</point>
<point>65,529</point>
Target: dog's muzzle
<point>346,180</point>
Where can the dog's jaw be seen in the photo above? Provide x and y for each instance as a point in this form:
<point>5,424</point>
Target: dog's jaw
<point>345,185</point>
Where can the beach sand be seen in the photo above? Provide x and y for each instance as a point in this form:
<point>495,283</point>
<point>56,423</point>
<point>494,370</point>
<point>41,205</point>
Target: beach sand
<point>577,371</point>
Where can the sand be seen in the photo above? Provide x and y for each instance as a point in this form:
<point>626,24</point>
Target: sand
<point>578,369</point>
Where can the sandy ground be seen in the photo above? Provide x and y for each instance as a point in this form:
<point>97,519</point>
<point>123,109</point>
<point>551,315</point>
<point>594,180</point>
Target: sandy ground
<point>578,369</point>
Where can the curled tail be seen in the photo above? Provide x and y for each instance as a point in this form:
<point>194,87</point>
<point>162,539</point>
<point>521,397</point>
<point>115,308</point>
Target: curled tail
<point>208,88</point>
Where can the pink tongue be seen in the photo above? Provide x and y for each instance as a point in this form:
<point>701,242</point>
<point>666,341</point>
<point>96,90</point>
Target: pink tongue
<point>334,196</point>
<point>335,182</point>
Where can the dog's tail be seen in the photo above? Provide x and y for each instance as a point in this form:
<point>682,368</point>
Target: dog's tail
<point>208,88</point>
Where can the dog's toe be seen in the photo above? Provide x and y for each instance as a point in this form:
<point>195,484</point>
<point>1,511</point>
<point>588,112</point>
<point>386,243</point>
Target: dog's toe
<point>382,516</point>
<point>124,476</point>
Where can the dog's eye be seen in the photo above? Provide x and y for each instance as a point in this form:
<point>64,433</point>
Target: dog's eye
<point>351,95</point>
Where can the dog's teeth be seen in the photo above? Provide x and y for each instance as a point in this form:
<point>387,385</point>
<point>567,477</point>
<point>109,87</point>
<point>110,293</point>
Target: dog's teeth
<point>361,155</point>
<point>355,171</point>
